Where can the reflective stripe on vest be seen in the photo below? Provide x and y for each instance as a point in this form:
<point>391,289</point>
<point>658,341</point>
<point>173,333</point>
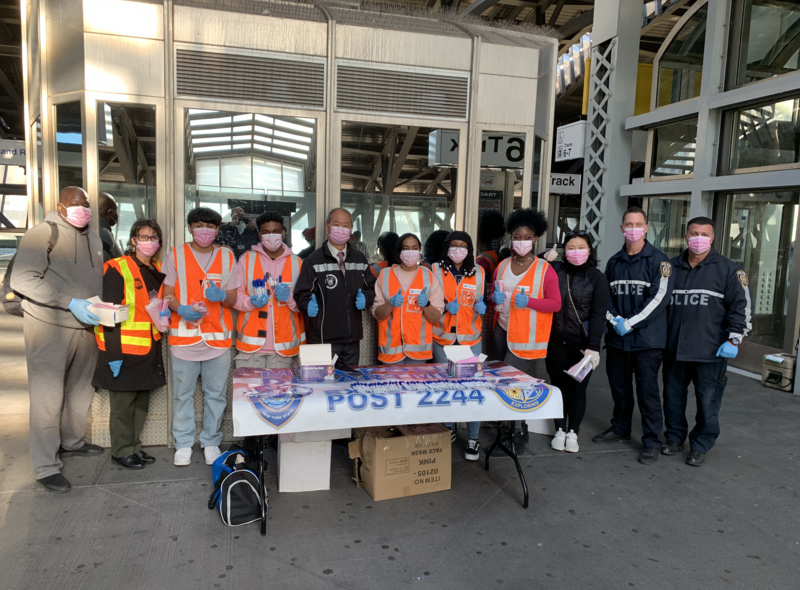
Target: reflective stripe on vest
<point>404,334</point>
<point>528,330</point>
<point>250,323</point>
<point>214,332</point>
<point>468,323</point>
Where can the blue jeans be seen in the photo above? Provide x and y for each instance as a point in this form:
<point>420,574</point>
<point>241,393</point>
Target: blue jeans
<point>215,385</point>
<point>439,357</point>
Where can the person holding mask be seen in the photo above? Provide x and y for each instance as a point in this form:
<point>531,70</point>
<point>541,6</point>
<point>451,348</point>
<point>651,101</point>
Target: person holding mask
<point>270,328</point>
<point>60,352</point>
<point>200,272</point>
<point>526,294</point>
<point>109,216</point>
<point>640,277</point>
<point>130,364</point>
<point>708,317</point>
<point>577,332</point>
<point>462,285</point>
<point>387,243</point>
<point>334,287</point>
<point>408,304</point>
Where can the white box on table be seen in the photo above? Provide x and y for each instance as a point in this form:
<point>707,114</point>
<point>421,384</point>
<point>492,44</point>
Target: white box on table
<point>319,435</point>
<point>316,363</point>
<point>303,466</point>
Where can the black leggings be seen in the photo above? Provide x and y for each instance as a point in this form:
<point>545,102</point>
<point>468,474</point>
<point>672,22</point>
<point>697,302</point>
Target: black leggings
<point>559,358</point>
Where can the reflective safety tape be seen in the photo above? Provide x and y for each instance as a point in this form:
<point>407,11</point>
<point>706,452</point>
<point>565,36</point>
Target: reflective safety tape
<point>326,267</point>
<point>628,282</point>
<point>698,291</point>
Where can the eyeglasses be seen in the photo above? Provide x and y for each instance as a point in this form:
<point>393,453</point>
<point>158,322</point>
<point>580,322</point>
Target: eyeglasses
<point>576,234</point>
<point>144,238</point>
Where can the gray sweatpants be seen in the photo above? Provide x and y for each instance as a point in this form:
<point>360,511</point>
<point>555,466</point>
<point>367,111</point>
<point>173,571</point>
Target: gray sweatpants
<point>61,363</point>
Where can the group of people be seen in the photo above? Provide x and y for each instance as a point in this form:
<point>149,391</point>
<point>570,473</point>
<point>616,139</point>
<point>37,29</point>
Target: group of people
<point>540,309</point>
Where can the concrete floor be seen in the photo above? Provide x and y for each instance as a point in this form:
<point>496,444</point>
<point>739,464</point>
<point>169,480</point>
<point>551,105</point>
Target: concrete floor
<point>597,519</point>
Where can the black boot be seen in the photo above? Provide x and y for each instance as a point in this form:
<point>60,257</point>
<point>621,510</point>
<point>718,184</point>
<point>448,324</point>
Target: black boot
<point>55,483</point>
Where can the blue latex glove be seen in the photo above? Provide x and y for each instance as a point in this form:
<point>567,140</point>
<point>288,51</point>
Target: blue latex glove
<point>190,315</point>
<point>452,307</point>
<point>115,366</point>
<point>78,307</point>
<point>727,350</point>
<point>313,306</point>
<point>498,297</point>
<point>620,329</point>
<point>397,299</point>
<point>361,301</point>
<point>214,293</point>
<point>422,298</point>
<point>166,313</point>
<point>282,292</point>
<point>259,301</point>
<point>480,307</point>
<point>520,300</point>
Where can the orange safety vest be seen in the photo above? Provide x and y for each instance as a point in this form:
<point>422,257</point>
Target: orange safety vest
<point>528,329</point>
<point>492,258</point>
<point>216,327</point>
<point>466,325</point>
<point>288,327</point>
<point>405,332</point>
<point>376,267</point>
<point>134,332</point>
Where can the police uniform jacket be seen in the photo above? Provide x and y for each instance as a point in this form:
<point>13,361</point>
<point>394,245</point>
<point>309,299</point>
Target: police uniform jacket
<point>640,289</point>
<point>710,304</point>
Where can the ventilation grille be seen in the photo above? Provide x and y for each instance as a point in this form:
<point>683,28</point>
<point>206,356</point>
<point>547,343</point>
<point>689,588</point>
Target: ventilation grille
<point>252,78</point>
<point>397,92</point>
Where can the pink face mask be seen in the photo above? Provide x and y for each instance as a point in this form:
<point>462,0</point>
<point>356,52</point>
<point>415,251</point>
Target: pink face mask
<point>339,235</point>
<point>699,244</point>
<point>409,257</point>
<point>204,236</point>
<point>79,216</point>
<point>272,241</point>
<point>633,234</point>
<point>577,257</point>
<point>457,255</point>
<point>522,247</point>
<point>147,249</point>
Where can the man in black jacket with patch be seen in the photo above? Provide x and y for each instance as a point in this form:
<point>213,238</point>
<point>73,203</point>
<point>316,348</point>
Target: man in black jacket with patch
<point>709,315</point>
<point>334,286</point>
<point>640,277</point>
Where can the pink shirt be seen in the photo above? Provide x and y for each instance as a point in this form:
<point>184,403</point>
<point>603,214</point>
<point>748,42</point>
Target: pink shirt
<point>405,278</point>
<point>200,351</point>
<point>243,303</point>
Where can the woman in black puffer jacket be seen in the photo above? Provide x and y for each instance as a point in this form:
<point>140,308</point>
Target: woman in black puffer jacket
<point>577,332</point>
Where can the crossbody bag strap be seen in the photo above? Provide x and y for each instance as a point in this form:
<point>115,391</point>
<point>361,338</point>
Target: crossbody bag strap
<point>575,309</point>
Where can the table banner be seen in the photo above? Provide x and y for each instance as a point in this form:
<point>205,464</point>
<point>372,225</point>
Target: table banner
<point>379,396</point>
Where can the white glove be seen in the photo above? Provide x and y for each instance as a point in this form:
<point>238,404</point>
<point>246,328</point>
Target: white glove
<point>594,357</point>
<point>551,254</point>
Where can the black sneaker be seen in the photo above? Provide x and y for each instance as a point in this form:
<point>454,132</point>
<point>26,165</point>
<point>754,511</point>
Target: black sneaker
<point>473,451</point>
<point>696,459</point>
<point>85,450</point>
<point>649,455</point>
<point>452,435</point>
<point>671,448</point>
<point>610,436</point>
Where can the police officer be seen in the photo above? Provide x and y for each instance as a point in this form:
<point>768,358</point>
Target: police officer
<point>640,277</point>
<point>709,315</point>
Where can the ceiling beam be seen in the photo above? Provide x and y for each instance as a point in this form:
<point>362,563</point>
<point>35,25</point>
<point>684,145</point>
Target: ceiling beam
<point>556,13</point>
<point>573,26</point>
<point>479,7</point>
<point>10,90</point>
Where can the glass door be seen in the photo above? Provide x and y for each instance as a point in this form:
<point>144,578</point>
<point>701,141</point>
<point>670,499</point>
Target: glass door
<point>667,217</point>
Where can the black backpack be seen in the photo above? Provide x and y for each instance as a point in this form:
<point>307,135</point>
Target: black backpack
<point>12,301</point>
<point>236,489</point>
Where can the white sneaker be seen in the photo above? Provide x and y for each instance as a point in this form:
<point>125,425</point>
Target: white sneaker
<point>558,441</point>
<point>211,453</point>
<point>571,445</point>
<point>183,457</point>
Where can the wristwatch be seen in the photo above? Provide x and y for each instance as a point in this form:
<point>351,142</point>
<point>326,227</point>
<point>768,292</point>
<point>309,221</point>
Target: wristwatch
<point>735,341</point>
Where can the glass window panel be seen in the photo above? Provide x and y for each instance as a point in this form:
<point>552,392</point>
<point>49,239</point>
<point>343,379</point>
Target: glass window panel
<point>674,149</point>
<point>69,144</point>
<point>267,175</point>
<point>667,217</point>
<point>762,230</point>
<point>126,158</point>
<point>770,41</point>
<point>236,173</point>
<point>681,65</point>
<point>766,135</point>
<point>208,172</point>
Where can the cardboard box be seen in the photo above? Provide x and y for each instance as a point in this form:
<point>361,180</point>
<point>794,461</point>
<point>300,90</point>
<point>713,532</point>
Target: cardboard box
<point>462,363</point>
<point>110,314</point>
<point>303,466</point>
<point>390,465</point>
<point>316,363</point>
<point>320,435</point>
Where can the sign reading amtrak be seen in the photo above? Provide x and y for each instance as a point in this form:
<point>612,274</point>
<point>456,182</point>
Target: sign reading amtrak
<point>498,150</point>
<point>273,401</point>
<point>12,152</point>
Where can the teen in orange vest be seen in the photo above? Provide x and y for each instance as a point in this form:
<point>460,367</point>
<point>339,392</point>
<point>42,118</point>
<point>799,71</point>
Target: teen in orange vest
<point>270,328</point>
<point>200,272</point>
<point>462,283</point>
<point>130,365</point>
<point>528,297</point>
<point>408,304</point>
